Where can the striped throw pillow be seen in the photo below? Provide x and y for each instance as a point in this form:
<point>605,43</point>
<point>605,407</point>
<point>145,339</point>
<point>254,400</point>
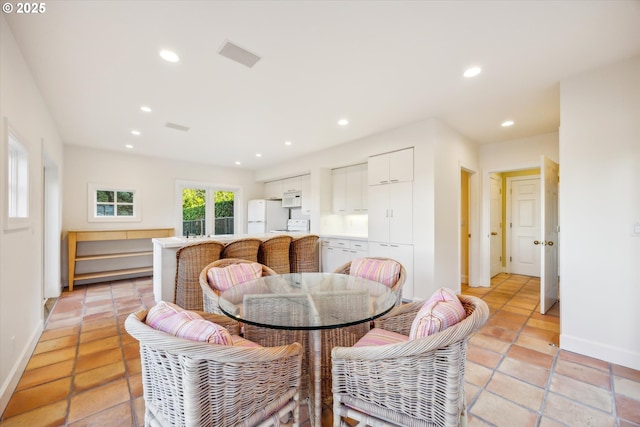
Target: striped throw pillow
<point>223,278</point>
<point>384,271</point>
<point>174,320</point>
<point>378,336</point>
<point>442,310</point>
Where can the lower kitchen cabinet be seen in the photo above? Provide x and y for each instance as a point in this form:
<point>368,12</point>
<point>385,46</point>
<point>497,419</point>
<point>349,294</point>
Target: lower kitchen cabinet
<point>401,253</point>
<point>337,252</point>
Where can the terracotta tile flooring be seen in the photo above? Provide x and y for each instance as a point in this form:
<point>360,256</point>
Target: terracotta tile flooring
<point>85,369</point>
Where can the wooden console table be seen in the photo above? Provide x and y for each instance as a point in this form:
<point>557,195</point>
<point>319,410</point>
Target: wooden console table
<point>75,236</point>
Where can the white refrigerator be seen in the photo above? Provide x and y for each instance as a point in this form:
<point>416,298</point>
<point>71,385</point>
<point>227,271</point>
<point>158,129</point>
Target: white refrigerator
<point>264,216</point>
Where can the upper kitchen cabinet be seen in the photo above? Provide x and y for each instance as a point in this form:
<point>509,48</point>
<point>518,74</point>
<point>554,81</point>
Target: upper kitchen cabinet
<point>356,189</point>
<point>305,188</point>
<point>393,167</point>
<point>350,190</point>
<point>273,190</point>
<point>292,184</point>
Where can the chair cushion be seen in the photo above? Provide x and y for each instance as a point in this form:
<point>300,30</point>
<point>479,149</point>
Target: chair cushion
<point>384,271</point>
<point>223,278</point>
<point>174,320</point>
<point>442,310</point>
<point>239,341</point>
<point>378,336</point>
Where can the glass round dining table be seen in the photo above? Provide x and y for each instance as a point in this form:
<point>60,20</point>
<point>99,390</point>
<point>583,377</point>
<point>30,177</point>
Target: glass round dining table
<point>314,302</point>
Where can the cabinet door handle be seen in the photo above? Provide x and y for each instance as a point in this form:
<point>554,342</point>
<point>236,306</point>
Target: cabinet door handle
<point>391,213</point>
<point>394,180</point>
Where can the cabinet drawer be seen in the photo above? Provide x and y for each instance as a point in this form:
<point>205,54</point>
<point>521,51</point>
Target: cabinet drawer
<point>358,245</point>
<point>339,243</point>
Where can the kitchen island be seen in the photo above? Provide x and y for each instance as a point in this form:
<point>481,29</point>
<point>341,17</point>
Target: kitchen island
<point>164,258</point>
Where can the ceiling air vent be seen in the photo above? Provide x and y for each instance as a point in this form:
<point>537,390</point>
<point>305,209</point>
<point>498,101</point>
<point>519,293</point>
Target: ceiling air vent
<point>238,54</point>
<point>177,126</point>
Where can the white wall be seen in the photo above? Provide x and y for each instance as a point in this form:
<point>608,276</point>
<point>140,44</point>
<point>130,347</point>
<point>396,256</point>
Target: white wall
<point>600,201</point>
<point>21,273</point>
<point>155,178</point>
<point>434,143</point>
<point>511,155</point>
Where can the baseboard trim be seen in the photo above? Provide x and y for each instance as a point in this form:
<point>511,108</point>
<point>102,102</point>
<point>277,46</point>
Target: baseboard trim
<point>608,353</point>
<point>9,386</point>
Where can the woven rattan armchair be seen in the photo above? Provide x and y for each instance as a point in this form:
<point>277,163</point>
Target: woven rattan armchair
<point>191,259</point>
<point>209,295</point>
<point>396,288</point>
<point>303,254</point>
<point>418,382</point>
<point>274,253</point>
<point>246,248</point>
<point>188,383</point>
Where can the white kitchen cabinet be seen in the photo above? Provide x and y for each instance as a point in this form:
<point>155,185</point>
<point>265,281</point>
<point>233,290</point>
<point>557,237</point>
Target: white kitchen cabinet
<point>401,253</point>
<point>305,188</point>
<point>337,252</point>
<point>356,192</point>
<point>350,189</point>
<point>339,181</point>
<point>391,213</point>
<point>273,190</point>
<point>393,167</point>
<point>291,184</point>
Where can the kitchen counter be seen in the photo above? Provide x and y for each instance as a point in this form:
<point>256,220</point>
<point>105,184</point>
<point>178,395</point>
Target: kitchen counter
<point>164,258</point>
<point>180,241</point>
<point>342,236</point>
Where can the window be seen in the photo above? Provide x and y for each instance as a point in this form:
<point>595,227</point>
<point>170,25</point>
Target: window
<point>113,204</point>
<point>17,179</point>
<point>206,209</point>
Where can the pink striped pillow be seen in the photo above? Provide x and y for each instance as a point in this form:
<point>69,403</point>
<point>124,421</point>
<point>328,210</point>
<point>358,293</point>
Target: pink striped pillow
<point>384,271</point>
<point>378,336</point>
<point>223,278</point>
<point>174,320</point>
<point>442,310</point>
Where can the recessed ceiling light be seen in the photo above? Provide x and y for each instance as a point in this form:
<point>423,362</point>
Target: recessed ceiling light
<point>507,123</point>
<point>169,56</point>
<point>258,155</point>
<point>287,143</point>
<point>343,122</point>
<point>145,109</point>
<point>237,163</point>
<point>129,146</point>
<point>135,132</point>
<point>472,72</point>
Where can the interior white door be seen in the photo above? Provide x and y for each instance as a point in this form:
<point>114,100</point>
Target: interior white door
<point>525,225</point>
<point>496,224</point>
<point>549,232</point>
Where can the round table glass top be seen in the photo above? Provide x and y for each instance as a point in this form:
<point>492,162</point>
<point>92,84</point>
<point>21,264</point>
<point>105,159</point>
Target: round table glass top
<point>307,301</point>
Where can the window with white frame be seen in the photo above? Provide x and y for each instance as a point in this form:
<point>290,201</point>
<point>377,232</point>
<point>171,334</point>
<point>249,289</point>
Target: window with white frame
<point>18,178</point>
<point>16,213</point>
<point>108,203</point>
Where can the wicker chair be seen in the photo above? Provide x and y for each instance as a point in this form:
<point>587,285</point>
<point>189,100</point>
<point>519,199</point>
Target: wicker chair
<point>397,287</point>
<point>246,248</point>
<point>303,254</point>
<point>191,259</point>
<point>418,382</point>
<point>274,253</point>
<point>188,383</point>
<point>209,295</point>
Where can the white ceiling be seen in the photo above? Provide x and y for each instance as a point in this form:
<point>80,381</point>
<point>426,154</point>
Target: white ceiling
<point>381,64</point>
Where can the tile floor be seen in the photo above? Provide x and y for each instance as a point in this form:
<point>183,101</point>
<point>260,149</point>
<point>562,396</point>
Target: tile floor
<point>85,369</point>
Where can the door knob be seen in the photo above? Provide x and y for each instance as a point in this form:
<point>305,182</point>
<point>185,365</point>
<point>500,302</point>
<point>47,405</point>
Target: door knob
<point>536,242</point>
<point>494,233</point>
<point>550,243</point>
